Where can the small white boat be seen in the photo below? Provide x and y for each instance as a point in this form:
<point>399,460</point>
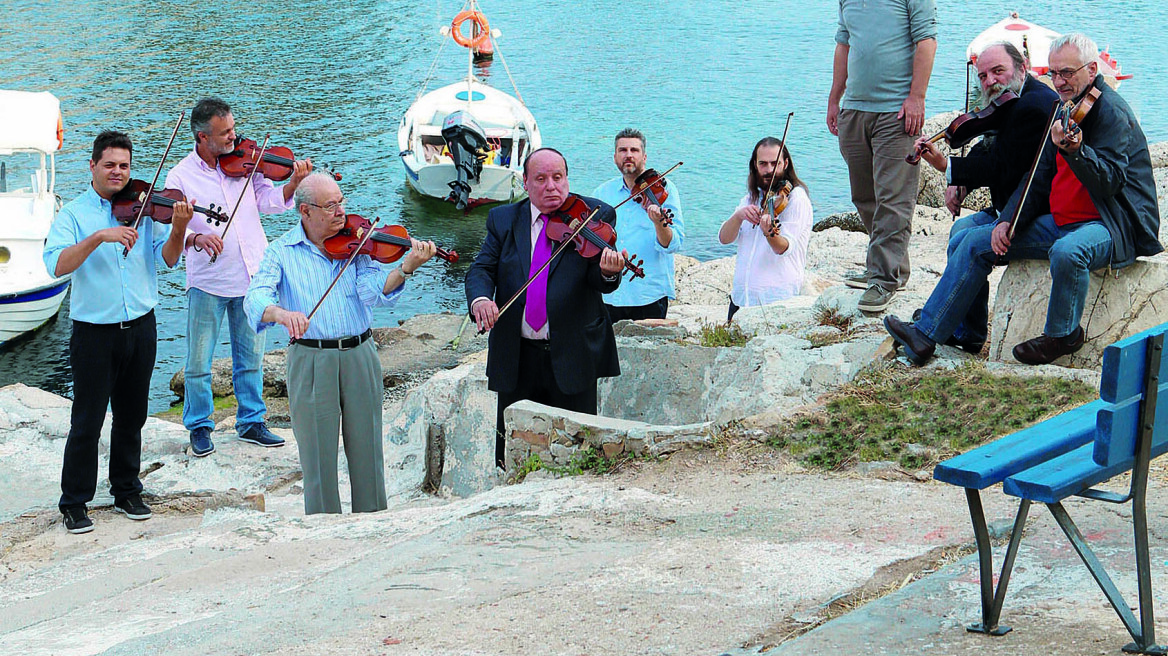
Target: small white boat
<point>466,142</point>
<point>30,135</point>
<point>1033,41</point>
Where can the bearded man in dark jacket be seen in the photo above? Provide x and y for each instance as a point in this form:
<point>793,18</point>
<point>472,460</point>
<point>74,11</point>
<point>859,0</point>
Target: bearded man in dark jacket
<point>1092,205</point>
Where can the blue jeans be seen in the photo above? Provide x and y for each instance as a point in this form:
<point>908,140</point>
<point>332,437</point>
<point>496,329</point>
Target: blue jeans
<point>974,327</point>
<point>204,317</point>
<point>1074,251</point>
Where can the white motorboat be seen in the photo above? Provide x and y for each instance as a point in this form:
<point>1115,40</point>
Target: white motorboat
<point>30,135</point>
<point>466,142</point>
<point>1033,41</point>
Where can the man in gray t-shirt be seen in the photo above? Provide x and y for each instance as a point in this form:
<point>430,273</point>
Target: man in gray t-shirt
<point>883,58</point>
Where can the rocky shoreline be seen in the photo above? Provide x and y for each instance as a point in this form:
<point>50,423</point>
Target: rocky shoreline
<point>744,544</point>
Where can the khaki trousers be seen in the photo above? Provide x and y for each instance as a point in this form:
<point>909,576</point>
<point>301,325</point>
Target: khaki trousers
<point>884,189</point>
<point>331,390</point>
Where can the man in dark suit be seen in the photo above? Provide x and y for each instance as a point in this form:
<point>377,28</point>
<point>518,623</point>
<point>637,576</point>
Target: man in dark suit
<point>556,340</point>
<point>999,161</point>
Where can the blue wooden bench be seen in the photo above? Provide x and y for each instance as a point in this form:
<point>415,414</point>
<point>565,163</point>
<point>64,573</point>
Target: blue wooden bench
<point>1065,456</point>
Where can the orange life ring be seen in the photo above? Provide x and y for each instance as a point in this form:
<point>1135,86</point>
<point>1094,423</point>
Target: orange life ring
<point>60,133</point>
<point>480,21</point>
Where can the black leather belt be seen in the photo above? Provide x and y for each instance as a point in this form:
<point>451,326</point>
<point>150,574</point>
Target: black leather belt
<point>541,344</point>
<point>344,343</point>
<point>121,325</point>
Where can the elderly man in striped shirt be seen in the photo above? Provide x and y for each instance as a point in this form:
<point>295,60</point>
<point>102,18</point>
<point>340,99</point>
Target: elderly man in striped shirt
<point>334,374</point>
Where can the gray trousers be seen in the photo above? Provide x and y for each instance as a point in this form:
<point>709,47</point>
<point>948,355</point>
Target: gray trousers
<point>331,390</point>
<point>884,189</point>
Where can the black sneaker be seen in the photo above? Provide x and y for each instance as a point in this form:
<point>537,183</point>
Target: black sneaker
<point>133,507</point>
<point>77,520</point>
<point>259,434</point>
<point>201,444</point>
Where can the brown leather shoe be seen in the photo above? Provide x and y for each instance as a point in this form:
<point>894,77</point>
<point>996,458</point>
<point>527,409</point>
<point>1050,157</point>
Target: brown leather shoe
<point>918,348</point>
<point>1045,349</point>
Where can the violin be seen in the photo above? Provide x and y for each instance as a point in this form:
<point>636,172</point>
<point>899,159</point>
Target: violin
<point>1072,115</point>
<point>386,244</point>
<point>592,239</point>
<point>650,190</point>
<point>774,203</point>
<point>277,164</point>
<point>968,126</point>
<point>128,202</point>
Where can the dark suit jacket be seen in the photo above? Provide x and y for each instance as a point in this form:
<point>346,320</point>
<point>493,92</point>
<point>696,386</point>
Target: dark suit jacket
<point>1000,161</point>
<point>583,347</point>
<point>1114,165</point>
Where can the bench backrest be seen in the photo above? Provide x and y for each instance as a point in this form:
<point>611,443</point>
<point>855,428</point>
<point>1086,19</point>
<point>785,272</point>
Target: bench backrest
<point>1122,385</point>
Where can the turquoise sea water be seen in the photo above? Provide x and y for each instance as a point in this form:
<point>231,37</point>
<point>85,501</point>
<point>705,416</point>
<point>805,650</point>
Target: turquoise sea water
<point>703,80</point>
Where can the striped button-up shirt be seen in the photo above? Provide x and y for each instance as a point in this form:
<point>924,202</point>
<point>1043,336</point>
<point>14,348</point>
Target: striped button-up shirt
<point>294,274</point>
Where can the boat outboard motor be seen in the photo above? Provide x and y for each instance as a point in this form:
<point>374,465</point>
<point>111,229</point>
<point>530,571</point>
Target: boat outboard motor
<point>468,148</point>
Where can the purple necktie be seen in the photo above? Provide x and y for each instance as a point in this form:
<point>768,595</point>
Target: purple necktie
<point>535,310</point>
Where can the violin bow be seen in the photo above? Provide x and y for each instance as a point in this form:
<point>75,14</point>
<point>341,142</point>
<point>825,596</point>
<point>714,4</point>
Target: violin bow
<point>242,192</point>
<point>568,240</point>
<point>1033,169</point>
<point>150,191</point>
<point>782,146</point>
<point>352,257</point>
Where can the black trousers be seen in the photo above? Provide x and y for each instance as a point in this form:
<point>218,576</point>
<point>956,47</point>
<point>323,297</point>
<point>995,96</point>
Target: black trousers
<point>733,310</point>
<point>111,366</point>
<point>538,383</point>
<point>654,310</point>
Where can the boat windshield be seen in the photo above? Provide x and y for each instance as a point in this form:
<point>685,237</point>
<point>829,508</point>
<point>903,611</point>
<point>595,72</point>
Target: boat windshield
<point>22,173</point>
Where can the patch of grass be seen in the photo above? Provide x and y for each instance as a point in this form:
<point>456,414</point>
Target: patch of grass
<point>533,464</point>
<point>723,334</point>
<point>917,419</point>
<point>590,460</point>
<point>219,403</point>
<point>831,316</point>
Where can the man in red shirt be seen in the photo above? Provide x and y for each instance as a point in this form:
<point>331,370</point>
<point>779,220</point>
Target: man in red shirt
<point>1092,205</point>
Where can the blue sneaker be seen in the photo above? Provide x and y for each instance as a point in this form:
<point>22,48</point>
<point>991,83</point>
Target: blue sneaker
<point>201,444</point>
<point>259,434</point>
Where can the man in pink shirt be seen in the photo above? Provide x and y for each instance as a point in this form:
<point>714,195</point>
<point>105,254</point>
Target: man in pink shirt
<point>217,288</point>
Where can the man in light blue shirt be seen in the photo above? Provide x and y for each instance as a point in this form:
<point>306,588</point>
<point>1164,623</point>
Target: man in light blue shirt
<point>883,59</point>
<point>334,373</point>
<point>651,231</point>
<point>111,352</point>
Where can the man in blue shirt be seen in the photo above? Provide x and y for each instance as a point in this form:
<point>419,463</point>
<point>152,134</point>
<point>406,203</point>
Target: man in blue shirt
<point>646,230</point>
<point>114,340</point>
<point>334,373</point>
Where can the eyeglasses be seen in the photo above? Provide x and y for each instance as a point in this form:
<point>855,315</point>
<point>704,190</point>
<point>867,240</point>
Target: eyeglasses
<point>1066,73</point>
<point>331,206</point>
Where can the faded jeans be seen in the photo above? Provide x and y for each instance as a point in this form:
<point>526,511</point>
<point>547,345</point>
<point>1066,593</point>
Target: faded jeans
<point>1074,251</point>
<point>974,328</point>
<point>204,317</point>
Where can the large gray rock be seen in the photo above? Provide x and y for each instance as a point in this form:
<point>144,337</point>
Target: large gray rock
<point>1119,304</point>
<point>421,344</point>
<point>451,418</point>
<point>33,428</point>
<point>557,437</point>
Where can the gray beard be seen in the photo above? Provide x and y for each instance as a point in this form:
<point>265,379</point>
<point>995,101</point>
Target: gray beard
<point>984,98</point>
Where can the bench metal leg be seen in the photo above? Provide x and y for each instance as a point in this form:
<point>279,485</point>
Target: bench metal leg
<point>1143,644</point>
<point>991,599</point>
